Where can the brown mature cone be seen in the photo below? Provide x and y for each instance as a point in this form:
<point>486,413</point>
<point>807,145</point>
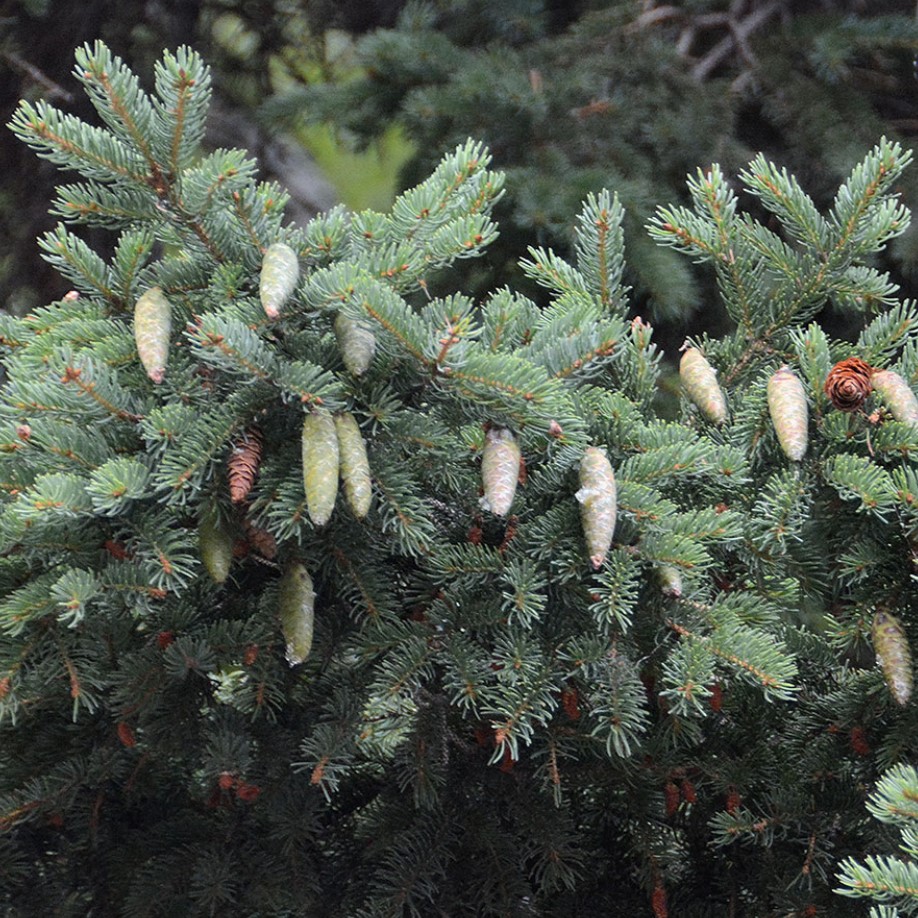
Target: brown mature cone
<point>242,466</point>
<point>848,384</point>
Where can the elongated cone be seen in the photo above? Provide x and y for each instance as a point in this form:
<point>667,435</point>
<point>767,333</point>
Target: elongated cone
<point>296,600</point>
<point>320,465</point>
<point>355,467</point>
<point>699,380</point>
<point>215,543</point>
<point>598,498</point>
<point>242,465</point>
<point>500,470</point>
<point>789,413</point>
<point>356,343</point>
<point>152,328</point>
<point>280,271</point>
<point>897,395</point>
<point>893,655</point>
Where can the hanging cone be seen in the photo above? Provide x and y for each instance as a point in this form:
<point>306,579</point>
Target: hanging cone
<point>356,343</point>
<point>699,380</point>
<point>500,470</point>
<point>897,395</point>
<point>598,503</point>
<point>280,271</point>
<point>242,465</point>
<point>215,543</point>
<point>355,467</point>
<point>296,601</point>
<point>893,655</point>
<point>789,413</point>
<point>320,465</point>
<point>152,328</point>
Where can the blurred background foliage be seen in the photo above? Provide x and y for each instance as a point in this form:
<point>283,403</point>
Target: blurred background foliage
<point>353,100</point>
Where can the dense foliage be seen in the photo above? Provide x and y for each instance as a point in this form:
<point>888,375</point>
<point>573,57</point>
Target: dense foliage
<point>229,687</point>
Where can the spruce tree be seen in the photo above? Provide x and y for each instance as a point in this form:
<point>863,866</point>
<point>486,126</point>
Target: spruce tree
<point>322,594</point>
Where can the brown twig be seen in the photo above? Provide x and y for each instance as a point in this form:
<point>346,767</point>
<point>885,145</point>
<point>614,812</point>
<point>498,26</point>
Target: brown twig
<point>54,90</point>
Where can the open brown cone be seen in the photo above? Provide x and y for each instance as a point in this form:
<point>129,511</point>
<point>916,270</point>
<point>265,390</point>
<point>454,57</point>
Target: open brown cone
<point>848,384</point>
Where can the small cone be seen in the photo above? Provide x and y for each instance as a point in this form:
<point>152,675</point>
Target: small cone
<point>897,395</point>
<point>280,271</point>
<point>699,380</point>
<point>893,655</point>
<point>356,343</point>
<point>152,328</point>
<point>789,413</point>
<point>320,465</point>
<point>598,503</point>
<point>296,600</point>
<point>500,470</point>
<point>355,467</point>
<point>848,384</point>
<point>215,543</point>
<point>242,465</point>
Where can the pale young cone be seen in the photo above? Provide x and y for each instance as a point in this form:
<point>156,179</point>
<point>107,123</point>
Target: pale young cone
<point>699,380</point>
<point>789,413</point>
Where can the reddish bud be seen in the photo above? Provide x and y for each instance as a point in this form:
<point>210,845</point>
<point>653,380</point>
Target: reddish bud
<point>570,701</point>
<point>164,639</point>
<point>250,654</point>
<point>116,550</point>
<point>658,902</point>
<point>126,735</point>
<point>671,797</point>
<point>226,781</point>
<point>858,740</point>
<point>23,431</point>
<point>716,700</point>
<point>734,800</point>
<point>247,792</point>
<point>507,762</point>
<point>4,687</point>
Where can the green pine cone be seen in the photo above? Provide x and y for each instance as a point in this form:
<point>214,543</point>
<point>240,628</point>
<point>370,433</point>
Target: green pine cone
<point>215,543</point>
<point>670,579</point>
<point>356,343</point>
<point>355,467</point>
<point>789,413</point>
<point>296,601</point>
<point>500,470</point>
<point>897,395</point>
<point>598,503</point>
<point>320,465</point>
<point>699,380</point>
<point>152,328</point>
<point>893,655</point>
<point>280,271</point>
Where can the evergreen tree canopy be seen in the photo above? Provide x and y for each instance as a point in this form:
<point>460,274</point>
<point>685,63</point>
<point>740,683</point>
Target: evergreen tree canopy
<point>631,96</point>
<point>325,594</point>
